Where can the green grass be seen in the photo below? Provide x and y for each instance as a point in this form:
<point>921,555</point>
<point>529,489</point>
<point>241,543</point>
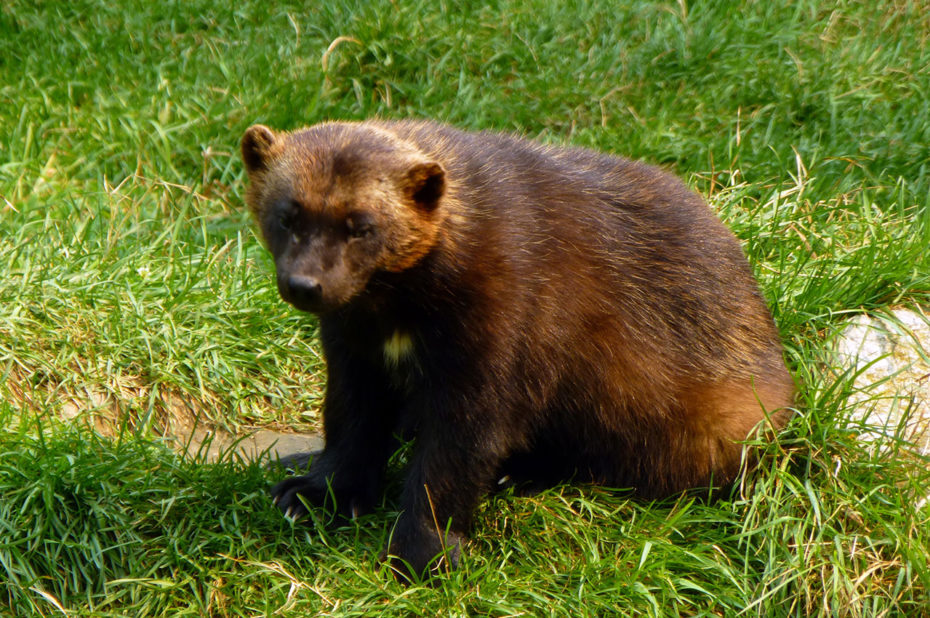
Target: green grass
<point>133,289</point>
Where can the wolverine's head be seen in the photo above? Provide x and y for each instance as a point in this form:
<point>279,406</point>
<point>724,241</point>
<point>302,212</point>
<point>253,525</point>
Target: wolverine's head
<point>337,203</point>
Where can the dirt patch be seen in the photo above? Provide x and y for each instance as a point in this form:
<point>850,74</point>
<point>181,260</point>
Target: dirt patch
<point>179,419</point>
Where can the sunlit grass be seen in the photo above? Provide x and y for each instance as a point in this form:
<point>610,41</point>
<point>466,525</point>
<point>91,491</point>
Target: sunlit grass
<point>132,287</point>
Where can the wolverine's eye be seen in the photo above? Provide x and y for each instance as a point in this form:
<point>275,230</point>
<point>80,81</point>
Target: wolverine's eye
<point>360,226</point>
<point>286,215</point>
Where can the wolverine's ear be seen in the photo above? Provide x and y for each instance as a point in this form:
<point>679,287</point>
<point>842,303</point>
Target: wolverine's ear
<point>425,184</point>
<point>256,147</point>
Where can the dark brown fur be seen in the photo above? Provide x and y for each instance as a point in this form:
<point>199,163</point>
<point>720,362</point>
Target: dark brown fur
<point>543,313</point>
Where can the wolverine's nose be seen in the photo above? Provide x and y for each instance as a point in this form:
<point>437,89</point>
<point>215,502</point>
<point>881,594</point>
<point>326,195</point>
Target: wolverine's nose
<point>304,290</point>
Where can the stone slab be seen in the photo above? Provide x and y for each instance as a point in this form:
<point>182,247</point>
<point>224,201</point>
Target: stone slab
<point>889,359</point>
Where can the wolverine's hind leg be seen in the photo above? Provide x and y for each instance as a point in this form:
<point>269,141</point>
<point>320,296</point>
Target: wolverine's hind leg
<point>715,420</point>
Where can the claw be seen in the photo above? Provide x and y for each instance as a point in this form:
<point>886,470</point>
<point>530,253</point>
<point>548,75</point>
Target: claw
<point>354,512</point>
<point>276,499</point>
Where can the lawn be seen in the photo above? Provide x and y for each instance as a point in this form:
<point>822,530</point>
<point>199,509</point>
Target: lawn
<point>134,292</point>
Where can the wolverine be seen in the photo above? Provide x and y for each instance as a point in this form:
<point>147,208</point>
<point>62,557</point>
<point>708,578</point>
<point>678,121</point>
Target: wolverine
<point>525,312</point>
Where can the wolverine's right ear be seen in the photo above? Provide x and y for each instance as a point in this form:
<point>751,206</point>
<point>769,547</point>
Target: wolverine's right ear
<point>256,147</point>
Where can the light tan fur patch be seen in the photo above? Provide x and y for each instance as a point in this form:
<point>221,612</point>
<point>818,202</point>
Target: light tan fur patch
<point>398,347</point>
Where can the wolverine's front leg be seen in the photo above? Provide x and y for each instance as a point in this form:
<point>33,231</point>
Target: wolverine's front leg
<point>359,414</point>
<point>453,464</point>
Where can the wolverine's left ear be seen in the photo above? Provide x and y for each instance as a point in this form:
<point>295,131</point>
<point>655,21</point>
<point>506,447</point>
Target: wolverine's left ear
<point>256,147</point>
<point>425,184</point>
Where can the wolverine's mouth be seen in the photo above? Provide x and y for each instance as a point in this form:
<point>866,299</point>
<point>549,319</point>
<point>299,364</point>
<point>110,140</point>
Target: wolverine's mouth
<point>315,308</point>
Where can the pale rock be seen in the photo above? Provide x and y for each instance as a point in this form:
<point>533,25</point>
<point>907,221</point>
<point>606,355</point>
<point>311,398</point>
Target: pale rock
<point>888,355</point>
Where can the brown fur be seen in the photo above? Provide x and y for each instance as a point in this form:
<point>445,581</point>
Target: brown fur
<point>545,313</point>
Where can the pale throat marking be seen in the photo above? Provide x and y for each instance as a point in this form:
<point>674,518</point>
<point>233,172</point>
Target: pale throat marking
<point>397,347</point>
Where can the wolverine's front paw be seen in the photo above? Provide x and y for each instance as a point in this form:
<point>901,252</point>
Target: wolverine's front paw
<point>292,495</point>
<point>425,554</point>
<point>288,493</point>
